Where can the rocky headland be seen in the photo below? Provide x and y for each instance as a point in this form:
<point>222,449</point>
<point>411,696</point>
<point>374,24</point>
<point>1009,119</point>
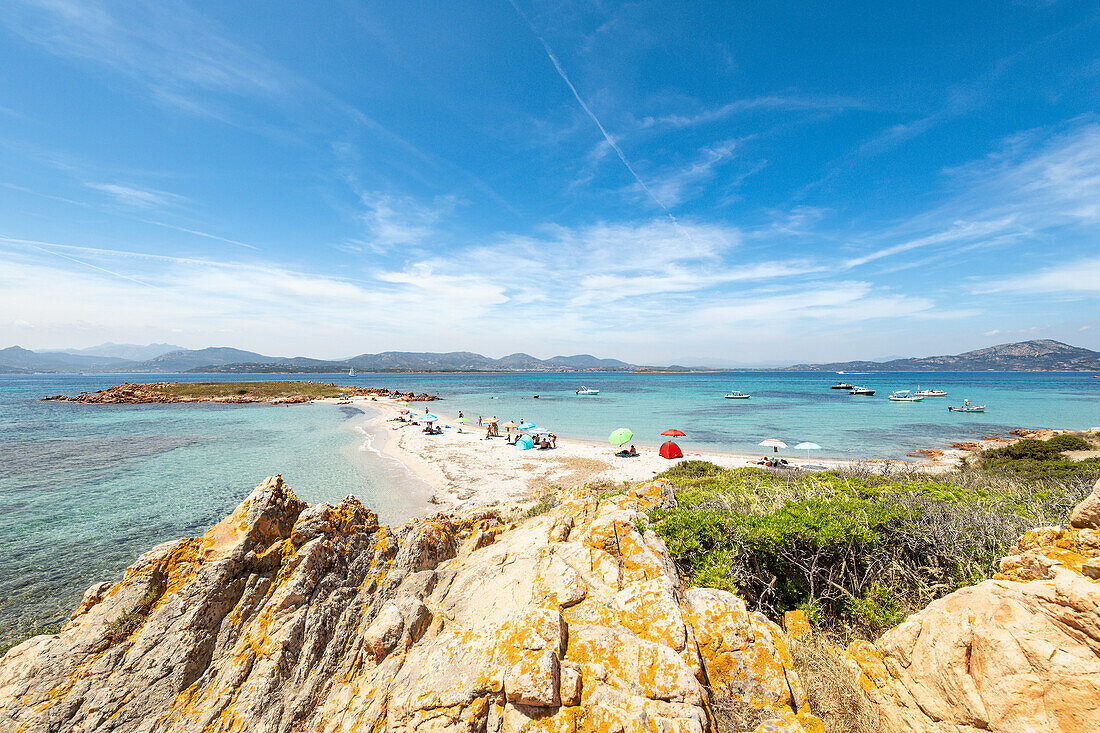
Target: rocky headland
<point>290,617</point>
<point>232,393</point>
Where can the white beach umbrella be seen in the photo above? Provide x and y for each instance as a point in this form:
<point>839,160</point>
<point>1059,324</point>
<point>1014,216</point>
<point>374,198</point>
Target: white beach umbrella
<point>807,446</point>
<point>774,443</point>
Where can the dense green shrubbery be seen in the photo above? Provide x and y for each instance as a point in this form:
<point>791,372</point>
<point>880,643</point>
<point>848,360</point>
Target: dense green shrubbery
<point>857,552</point>
<point>1042,460</point>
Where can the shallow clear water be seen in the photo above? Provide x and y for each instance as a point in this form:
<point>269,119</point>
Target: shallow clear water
<point>84,489</point>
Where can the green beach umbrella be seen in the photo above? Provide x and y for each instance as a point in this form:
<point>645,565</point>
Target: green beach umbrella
<point>620,436</point>
<point>462,419</point>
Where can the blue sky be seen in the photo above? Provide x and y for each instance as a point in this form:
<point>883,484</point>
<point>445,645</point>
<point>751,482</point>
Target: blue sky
<point>659,182</point>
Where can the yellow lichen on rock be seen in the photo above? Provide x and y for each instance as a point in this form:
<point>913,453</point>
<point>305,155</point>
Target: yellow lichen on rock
<point>290,617</point>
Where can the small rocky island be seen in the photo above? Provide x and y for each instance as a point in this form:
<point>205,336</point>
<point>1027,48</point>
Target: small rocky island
<point>275,392</point>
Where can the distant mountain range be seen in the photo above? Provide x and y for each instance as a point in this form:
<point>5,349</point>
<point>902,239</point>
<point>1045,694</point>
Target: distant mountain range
<point>1042,355</point>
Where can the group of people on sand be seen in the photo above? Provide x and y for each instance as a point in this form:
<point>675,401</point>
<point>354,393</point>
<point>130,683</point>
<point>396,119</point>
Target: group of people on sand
<point>772,462</point>
<point>632,452</point>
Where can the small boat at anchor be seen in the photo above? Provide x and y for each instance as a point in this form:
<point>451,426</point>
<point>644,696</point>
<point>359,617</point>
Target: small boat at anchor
<point>351,372</point>
<point>904,395</point>
<point>863,391</point>
<point>930,392</point>
<point>735,395</point>
<point>843,385</point>
<point>586,391</point>
<point>966,407</point>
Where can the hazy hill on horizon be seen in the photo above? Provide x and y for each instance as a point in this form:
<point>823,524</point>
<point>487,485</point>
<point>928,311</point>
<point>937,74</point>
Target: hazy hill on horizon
<point>1035,355</point>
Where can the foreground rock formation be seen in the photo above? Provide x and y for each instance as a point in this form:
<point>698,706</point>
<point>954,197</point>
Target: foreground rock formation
<point>1016,654</point>
<point>287,617</point>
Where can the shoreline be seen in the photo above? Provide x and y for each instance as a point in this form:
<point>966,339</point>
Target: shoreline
<point>465,470</point>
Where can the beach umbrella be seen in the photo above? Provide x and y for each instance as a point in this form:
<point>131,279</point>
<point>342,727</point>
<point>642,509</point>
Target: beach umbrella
<point>807,446</point>
<point>670,450</point>
<point>428,417</point>
<point>526,425</point>
<point>620,436</point>
<point>674,433</point>
<point>774,443</point>
<point>403,410</point>
<point>525,442</point>
<point>404,402</point>
<point>539,431</point>
<point>462,419</point>
<point>489,420</point>
<point>509,426</point>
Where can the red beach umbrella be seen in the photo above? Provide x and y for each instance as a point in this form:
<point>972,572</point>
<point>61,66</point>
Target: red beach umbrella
<point>674,433</point>
<point>670,450</point>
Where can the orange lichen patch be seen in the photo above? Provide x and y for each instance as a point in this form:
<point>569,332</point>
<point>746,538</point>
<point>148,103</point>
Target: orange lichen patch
<point>650,610</point>
<point>868,660</point>
<point>966,445</point>
<point>796,625</point>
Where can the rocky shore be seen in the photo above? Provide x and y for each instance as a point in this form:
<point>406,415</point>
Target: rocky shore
<point>235,393</point>
<point>290,617</point>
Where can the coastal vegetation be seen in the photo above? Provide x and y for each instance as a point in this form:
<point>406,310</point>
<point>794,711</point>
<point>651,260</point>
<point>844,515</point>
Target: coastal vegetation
<point>860,550</point>
<point>276,392</point>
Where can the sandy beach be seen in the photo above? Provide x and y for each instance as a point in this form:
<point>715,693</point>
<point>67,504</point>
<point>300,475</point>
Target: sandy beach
<point>465,470</point>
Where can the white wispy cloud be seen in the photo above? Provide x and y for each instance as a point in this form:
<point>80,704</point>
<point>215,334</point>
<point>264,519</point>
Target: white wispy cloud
<point>1039,182</point>
<point>1076,277</point>
<point>795,103</point>
<point>677,185</point>
<point>142,198</point>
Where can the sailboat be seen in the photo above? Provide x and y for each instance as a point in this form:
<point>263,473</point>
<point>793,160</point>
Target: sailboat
<point>351,372</point>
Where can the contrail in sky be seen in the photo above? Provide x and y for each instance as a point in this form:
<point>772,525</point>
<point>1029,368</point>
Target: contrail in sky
<point>610,140</point>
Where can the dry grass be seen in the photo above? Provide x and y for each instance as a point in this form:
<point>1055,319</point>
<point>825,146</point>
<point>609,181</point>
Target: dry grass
<point>835,695</point>
<point>732,715</point>
<point>261,390</point>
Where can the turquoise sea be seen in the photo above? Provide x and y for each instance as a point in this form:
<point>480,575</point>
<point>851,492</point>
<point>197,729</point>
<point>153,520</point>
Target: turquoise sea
<point>84,489</point>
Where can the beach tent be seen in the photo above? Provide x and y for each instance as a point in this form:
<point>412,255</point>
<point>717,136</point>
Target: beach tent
<point>525,442</point>
<point>670,450</point>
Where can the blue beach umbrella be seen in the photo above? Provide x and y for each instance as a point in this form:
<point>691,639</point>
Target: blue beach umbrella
<point>526,425</point>
<point>539,431</point>
<point>428,417</point>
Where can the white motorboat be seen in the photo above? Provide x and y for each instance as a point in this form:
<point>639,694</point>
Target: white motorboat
<point>967,407</point>
<point>930,392</point>
<point>904,395</point>
<point>735,395</point>
<point>586,391</point>
<point>862,391</point>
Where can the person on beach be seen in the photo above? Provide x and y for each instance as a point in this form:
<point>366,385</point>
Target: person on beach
<point>479,419</point>
<point>460,413</point>
<point>553,441</point>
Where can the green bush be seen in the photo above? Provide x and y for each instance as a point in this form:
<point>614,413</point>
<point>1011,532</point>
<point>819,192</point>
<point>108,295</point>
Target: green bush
<point>856,551</point>
<point>36,631</point>
<point>1066,442</point>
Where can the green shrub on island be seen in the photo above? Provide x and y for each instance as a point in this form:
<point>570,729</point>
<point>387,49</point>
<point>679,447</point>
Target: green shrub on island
<point>856,551</point>
<point>1041,460</point>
